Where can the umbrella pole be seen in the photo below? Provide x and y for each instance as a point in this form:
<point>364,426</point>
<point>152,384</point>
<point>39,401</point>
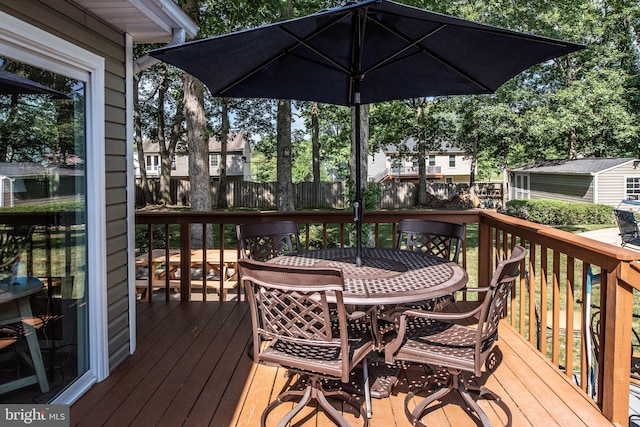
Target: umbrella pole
<point>358,206</point>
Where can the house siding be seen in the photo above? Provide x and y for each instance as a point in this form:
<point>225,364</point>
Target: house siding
<point>577,188</point>
<point>612,184</point>
<point>67,21</point>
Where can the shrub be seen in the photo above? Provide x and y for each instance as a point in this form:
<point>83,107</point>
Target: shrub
<point>556,212</point>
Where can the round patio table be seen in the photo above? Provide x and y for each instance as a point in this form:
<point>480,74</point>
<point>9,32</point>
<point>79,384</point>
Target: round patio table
<point>387,276</point>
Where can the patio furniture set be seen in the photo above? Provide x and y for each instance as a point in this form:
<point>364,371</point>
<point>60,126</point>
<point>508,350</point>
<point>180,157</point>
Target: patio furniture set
<point>318,314</point>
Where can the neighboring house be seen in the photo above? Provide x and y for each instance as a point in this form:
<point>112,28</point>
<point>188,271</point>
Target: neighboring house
<point>595,180</point>
<point>449,164</point>
<point>238,159</point>
<point>88,44</point>
<point>24,182</point>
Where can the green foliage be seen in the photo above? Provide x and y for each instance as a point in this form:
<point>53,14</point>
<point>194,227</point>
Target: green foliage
<point>67,206</point>
<point>556,212</point>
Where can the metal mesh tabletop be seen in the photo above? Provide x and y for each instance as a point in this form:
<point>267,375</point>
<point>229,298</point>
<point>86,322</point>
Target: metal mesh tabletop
<point>388,276</point>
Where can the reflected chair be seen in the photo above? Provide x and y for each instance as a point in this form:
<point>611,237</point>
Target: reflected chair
<point>436,238</point>
<point>294,326</point>
<point>13,240</point>
<point>434,338</point>
<point>265,240</point>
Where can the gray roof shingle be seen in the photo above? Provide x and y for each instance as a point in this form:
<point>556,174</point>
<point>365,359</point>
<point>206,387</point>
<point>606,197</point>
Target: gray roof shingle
<point>575,166</point>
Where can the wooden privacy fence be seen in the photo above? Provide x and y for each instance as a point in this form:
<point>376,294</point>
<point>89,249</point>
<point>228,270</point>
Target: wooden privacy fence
<point>325,195</point>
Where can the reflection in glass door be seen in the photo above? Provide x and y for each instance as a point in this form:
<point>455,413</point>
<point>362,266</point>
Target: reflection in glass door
<point>43,240</point>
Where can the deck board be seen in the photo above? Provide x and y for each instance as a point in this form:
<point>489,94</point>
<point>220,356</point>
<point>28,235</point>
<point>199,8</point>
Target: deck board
<point>191,369</point>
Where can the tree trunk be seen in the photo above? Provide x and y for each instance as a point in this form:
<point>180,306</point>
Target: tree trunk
<point>147,196</point>
<point>284,188</point>
<point>165,160</point>
<point>573,143</point>
<point>224,139</point>
<point>198,146</point>
<point>422,153</point>
<point>315,148</point>
<point>364,144</point>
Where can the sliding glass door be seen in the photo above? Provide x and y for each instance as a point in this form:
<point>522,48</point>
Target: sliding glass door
<point>43,233</point>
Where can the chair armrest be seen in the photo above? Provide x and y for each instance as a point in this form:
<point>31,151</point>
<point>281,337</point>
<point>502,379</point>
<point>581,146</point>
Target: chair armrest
<point>392,348</point>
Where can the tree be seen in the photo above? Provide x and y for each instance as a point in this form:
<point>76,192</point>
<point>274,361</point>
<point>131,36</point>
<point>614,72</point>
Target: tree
<point>137,126</point>
<point>198,146</point>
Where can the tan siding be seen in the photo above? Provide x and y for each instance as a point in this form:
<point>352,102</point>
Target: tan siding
<point>115,163</point>
<point>115,131</point>
<point>116,196</point>
<point>116,228</point>
<point>612,184</point>
<point>117,179</point>
<point>114,147</point>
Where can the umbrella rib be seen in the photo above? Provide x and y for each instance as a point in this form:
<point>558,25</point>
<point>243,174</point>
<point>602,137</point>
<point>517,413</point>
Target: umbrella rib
<point>287,51</point>
<point>420,49</point>
<point>304,43</point>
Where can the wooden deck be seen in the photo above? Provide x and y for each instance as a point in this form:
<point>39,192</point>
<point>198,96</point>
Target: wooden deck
<point>191,369</point>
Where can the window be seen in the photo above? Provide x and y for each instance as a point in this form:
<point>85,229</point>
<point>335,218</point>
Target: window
<point>214,160</point>
<point>174,162</point>
<point>432,159</point>
<point>633,188</point>
<point>153,164</point>
<point>452,160</point>
<point>448,180</point>
<point>521,188</point>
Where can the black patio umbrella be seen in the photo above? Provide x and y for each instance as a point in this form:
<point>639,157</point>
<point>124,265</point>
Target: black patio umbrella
<point>364,52</point>
<point>13,84</point>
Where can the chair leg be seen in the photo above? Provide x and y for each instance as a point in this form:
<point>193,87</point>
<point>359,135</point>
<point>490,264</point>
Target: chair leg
<point>367,387</point>
<point>315,391</point>
<point>455,382</point>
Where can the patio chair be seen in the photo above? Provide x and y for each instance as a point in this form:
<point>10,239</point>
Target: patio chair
<point>436,238</point>
<point>434,338</point>
<point>294,327</point>
<point>628,227</point>
<point>265,240</point>
<point>13,240</point>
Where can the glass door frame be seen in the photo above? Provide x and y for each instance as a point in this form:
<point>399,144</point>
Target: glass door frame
<point>34,46</point>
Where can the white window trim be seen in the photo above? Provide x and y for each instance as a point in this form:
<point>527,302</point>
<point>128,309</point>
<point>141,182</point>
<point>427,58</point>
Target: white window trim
<point>626,179</point>
<point>32,45</point>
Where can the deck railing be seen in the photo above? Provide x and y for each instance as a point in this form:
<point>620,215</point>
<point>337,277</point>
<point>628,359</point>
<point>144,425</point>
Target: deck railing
<point>550,295</point>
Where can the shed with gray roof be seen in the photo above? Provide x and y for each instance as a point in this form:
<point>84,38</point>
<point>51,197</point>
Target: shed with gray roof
<point>594,180</point>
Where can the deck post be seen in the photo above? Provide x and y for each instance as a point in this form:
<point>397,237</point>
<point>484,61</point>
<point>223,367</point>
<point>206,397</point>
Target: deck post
<point>616,336</point>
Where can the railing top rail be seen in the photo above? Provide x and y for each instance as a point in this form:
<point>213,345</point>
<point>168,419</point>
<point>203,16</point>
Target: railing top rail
<point>589,250</point>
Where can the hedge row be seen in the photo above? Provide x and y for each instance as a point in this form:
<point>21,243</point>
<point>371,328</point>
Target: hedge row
<point>556,212</point>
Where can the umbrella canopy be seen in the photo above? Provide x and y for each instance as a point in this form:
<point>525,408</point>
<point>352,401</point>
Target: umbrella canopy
<point>364,52</point>
<point>13,84</point>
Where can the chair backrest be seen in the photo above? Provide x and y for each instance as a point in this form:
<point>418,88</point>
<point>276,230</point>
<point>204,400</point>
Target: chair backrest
<point>437,238</point>
<point>627,224</point>
<point>265,240</point>
<point>289,306</point>
<point>13,239</point>
<point>495,302</point>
